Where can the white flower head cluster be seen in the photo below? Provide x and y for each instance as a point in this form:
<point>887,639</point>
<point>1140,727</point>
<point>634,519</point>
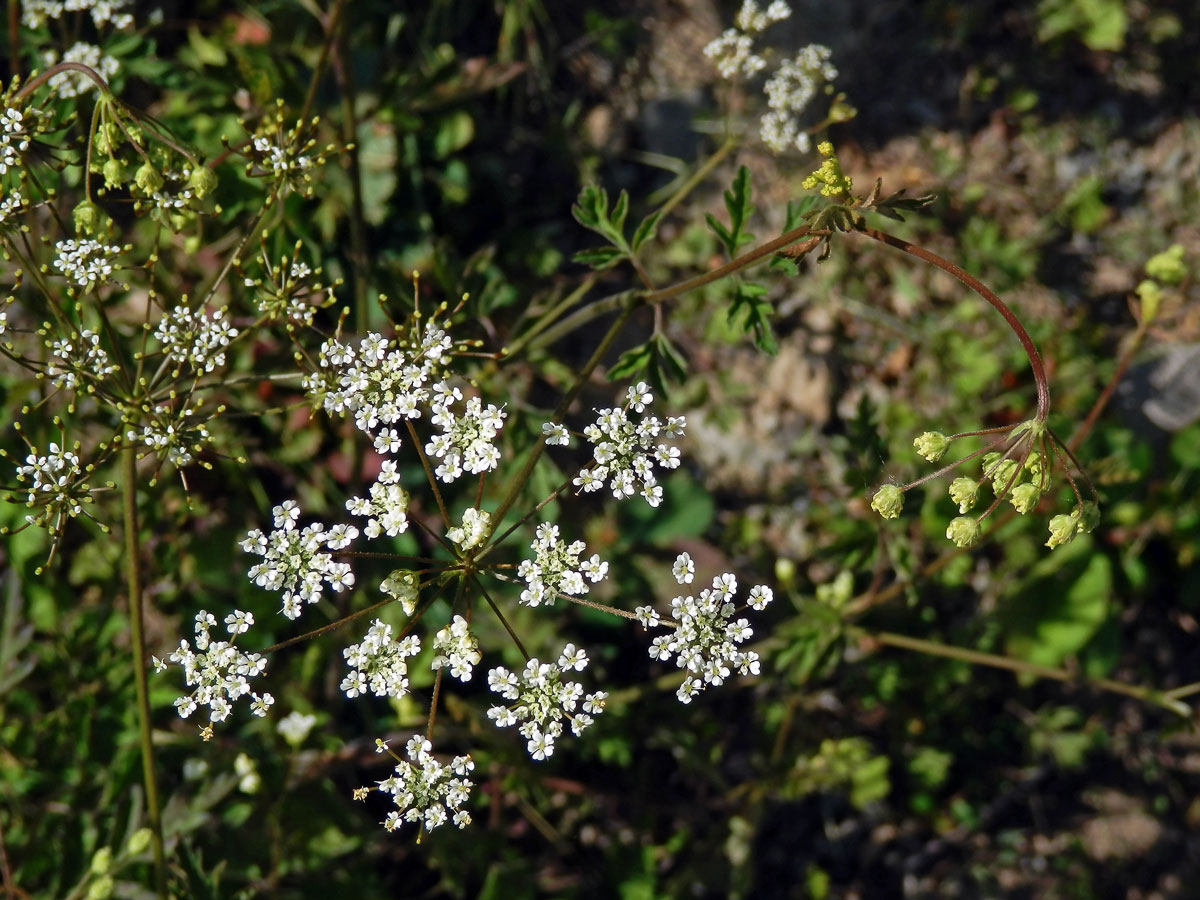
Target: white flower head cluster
<point>467,440</point>
<point>557,569</point>
<point>281,158</point>
<point>35,13</point>
<point>379,382</point>
<point>172,435</point>
<point>73,358</point>
<point>706,634</point>
<point>426,791</point>
<point>476,526</point>
<point>790,88</point>
<point>73,84</point>
<point>295,726</point>
<point>296,560</point>
<point>54,483</point>
<point>385,506</point>
<point>625,453</point>
<point>88,263</point>
<point>14,138</point>
<point>217,671</point>
<point>190,337</point>
<point>10,206</point>
<point>541,699</point>
<point>456,647</point>
<point>378,663</point>
<point>287,292</point>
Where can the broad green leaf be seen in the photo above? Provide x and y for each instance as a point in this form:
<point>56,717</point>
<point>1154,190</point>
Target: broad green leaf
<point>1055,617</point>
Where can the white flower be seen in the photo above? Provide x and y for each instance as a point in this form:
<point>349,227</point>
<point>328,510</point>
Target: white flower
<point>556,434</point>
<point>379,663</point>
<point>189,337</point>
<point>386,505</point>
<point>87,263</point>
<point>733,54</point>
<point>77,361</point>
<point>476,526</point>
<point>425,791</point>
<point>457,648</point>
<point>72,83</point>
<point>467,440</point>
<point>684,569</point>
<point>556,568</point>
<point>217,671</point>
<point>295,726</point>
<point>753,19</point>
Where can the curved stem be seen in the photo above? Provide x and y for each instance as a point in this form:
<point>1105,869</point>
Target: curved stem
<point>1151,696</point>
<point>1035,359</point>
<point>137,640</point>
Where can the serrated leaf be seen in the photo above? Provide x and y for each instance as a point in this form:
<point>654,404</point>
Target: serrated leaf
<point>617,219</point>
<point>599,257</point>
<point>719,230</point>
<point>591,207</point>
<point>737,200</point>
<point>748,302</point>
<point>631,362</point>
<point>646,230</point>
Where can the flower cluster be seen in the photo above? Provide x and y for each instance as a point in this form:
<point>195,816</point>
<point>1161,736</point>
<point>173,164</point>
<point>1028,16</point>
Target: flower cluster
<point>466,441</point>
<point>625,452</point>
<point>424,790</point>
<point>217,671</point>
<point>35,13</point>
<point>286,154</point>
<point>288,291</point>
<point>190,337</point>
<point>87,263</point>
<point>174,434</point>
<point>72,83</point>
<point>72,360</point>
<point>557,569</point>
<point>474,530</point>
<point>789,89</point>
<point>704,642</point>
<point>379,663</point>
<point>829,177</point>
<point>296,561</point>
<point>385,506</point>
<point>10,206</point>
<point>541,699</point>
<point>14,138</point>
<point>457,648</point>
<point>54,484</point>
<point>379,382</point>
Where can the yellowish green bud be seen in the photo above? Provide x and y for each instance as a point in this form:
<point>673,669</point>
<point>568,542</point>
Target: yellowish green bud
<point>1088,517</point>
<point>888,501</point>
<point>963,531</point>
<point>402,586</point>
<point>89,218</point>
<point>932,445</point>
<point>1168,267</point>
<point>1002,474</point>
<point>964,491</point>
<point>1063,529</point>
<point>1034,465</point>
<point>139,841</point>
<point>115,173</point>
<point>990,459</point>
<point>203,181</point>
<point>1151,296</point>
<point>1024,497</point>
<point>101,861</point>
<point>101,888</point>
<point>829,177</point>
<point>148,178</point>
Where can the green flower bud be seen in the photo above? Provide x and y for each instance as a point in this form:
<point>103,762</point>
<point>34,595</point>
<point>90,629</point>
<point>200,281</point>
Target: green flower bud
<point>202,182</point>
<point>101,861</point>
<point>990,459</point>
<point>964,491</point>
<point>1002,475</point>
<point>1024,497</point>
<point>401,585</point>
<point>115,173</point>
<point>1034,465</point>
<point>1088,517</point>
<point>89,218</point>
<point>148,178</point>
<point>101,888</point>
<point>888,501</point>
<point>932,445</point>
<point>963,531</point>
<point>1062,530</point>
<point>138,841</point>
<point>1151,296</point>
<point>1168,266</point>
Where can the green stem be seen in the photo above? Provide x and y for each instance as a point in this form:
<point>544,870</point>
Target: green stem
<point>137,640</point>
<point>1154,697</point>
<point>698,176</point>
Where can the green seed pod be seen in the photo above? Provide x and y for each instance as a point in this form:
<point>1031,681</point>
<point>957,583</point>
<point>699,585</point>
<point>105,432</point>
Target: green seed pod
<point>115,173</point>
<point>148,178</point>
<point>402,585</point>
<point>888,501</point>
<point>203,181</point>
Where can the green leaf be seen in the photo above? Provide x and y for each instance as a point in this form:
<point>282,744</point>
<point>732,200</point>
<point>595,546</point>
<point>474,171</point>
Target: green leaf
<point>1056,616</point>
<point>600,257</point>
<point>646,230</point>
<point>617,220</point>
<point>453,132</point>
<point>591,207</point>
<point>748,303</point>
<point>631,362</point>
<point>737,203</point>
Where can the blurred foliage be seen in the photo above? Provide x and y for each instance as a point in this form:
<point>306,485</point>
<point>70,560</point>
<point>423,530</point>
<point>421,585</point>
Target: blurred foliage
<point>1061,138</point>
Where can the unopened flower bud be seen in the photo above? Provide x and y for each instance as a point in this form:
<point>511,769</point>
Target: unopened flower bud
<point>202,182</point>
<point>1168,267</point>
<point>101,861</point>
<point>964,491</point>
<point>115,173</point>
<point>1003,474</point>
<point>1063,529</point>
<point>138,841</point>
<point>89,219</point>
<point>101,888</point>
<point>888,501</point>
<point>932,445</point>
<point>1024,497</point>
<point>402,586</point>
<point>148,178</point>
<point>963,531</point>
